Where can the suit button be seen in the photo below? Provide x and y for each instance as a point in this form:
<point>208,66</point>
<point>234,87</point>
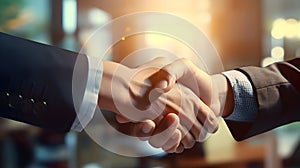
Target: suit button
<point>11,106</point>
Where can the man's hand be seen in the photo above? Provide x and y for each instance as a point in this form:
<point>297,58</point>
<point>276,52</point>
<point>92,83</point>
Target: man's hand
<point>134,95</point>
<point>150,95</point>
<point>126,91</point>
<point>214,91</point>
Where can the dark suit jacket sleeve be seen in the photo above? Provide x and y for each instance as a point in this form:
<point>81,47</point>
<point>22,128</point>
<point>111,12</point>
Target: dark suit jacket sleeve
<point>36,83</point>
<point>277,89</point>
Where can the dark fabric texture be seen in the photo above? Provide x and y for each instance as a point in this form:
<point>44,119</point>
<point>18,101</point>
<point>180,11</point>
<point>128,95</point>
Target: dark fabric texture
<point>277,89</point>
<point>36,83</point>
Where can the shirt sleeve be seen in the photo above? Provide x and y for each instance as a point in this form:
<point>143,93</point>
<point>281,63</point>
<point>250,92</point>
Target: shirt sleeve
<point>86,84</point>
<point>246,107</point>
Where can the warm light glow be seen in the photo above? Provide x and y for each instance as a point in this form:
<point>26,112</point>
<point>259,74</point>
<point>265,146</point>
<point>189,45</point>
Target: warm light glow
<point>205,4</point>
<point>128,29</point>
<point>277,53</point>
<point>156,40</point>
<point>97,17</point>
<point>268,61</point>
<point>123,38</point>
<point>278,30</point>
<point>289,28</point>
<point>298,29</point>
<point>205,17</point>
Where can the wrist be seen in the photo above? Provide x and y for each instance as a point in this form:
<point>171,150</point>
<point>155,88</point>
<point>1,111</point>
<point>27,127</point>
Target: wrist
<point>106,100</point>
<point>229,102</point>
<point>224,94</point>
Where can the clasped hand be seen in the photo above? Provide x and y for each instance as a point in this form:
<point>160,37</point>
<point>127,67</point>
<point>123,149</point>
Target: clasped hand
<point>172,104</point>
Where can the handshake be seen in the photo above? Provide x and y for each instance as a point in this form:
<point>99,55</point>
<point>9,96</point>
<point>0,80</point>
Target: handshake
<point>172,104</point>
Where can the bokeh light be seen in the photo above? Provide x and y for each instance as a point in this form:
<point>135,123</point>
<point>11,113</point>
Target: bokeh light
<point>289,28</point>
<point>277,53</point>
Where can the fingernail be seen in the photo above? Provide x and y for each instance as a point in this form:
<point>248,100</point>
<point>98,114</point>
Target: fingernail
<point>180,149</point>
<point>163,84</point>
<point>146,128</point>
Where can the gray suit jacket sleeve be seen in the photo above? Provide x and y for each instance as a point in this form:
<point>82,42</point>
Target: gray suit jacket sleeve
<point>36,83</point>
<point>277,89</point>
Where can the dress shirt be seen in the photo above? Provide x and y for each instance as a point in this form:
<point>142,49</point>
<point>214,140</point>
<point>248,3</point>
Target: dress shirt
<point>85,94</point>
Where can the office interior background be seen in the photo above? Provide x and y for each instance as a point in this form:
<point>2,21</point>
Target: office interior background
<point>244,32</point>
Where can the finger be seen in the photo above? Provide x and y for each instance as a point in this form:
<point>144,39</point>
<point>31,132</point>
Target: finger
<point>190,127</point>
<point>188,141</point>
<point>144,130</point>
<point>189,123</point>
<point>175,71</point>
<point>202,136</point>
<point>199,117</point>
<point>157,62</point>
<point>164,130</point>
<point>187,111</point>
<point>173,143</point>
<point>180,149</point>
<point>188,74</point>
<point>207,117</point>
<point>164,79</point>
<point>121,119</point>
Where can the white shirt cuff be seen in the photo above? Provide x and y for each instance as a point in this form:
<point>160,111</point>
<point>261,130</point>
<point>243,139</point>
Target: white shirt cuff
<point>85,94</point>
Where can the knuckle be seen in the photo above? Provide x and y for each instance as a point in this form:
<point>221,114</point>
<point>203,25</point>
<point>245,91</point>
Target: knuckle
<point>155,143</point>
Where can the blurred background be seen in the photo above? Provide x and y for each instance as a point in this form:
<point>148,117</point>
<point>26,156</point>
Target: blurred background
<point>244,32</point>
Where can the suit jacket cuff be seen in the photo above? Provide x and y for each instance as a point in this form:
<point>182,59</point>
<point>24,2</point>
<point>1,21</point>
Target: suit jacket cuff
<point>246,107</point>
<point>86,84</point>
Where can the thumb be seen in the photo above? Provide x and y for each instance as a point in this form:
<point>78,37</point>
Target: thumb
<point>189,75</point>
<point>121,119</point>
<point>181,70</point>
<point>163,80</point>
